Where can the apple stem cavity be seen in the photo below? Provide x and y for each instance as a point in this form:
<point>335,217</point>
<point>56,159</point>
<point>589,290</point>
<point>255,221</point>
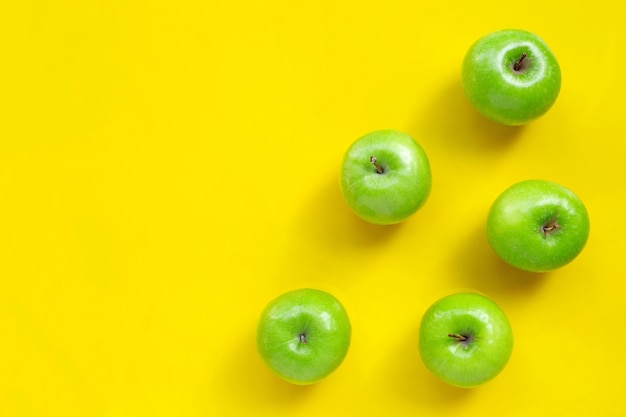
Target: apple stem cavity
<point>458,337</point>
<point>379,169</point>
<point>303,338</point>
<point>550,227</point>
<point>519,65</point>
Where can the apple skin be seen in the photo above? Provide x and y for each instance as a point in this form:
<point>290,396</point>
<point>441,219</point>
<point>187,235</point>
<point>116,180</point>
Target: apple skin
<point>477,359</point>
<point>310,313</point>
<point>537,225</point>
<point>501,93</point>
<point>395,194</point>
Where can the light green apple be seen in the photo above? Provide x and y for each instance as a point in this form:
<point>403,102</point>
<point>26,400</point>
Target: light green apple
<point>385,177</point>
<point>304,335</point>
<point>511,76</point>
<point>537,225</point>
<point>465,339</point>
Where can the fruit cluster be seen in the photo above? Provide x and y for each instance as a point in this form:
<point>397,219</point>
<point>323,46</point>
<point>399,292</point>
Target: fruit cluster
<point>511,77</point>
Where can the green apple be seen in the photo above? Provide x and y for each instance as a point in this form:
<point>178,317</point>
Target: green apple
<point>511,76</point>
<point>537,225</point>
<point>303,335</point>
<point>385,177</point>
<point>465,339</point>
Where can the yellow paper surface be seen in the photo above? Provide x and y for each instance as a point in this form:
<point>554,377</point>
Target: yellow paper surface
<point>168,167</point>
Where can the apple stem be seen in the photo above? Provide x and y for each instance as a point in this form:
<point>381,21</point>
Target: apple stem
<point>379,169</point>
<point>303,338</point>
<point>458,337</point>
<point>518,65</point>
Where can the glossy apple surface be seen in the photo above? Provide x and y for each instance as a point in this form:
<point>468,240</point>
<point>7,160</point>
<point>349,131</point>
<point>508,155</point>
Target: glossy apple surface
<point>465,339</point>
<point>385,177</point>
<point>538,225</point>
<point>511,76</point>
<point>304,335</point>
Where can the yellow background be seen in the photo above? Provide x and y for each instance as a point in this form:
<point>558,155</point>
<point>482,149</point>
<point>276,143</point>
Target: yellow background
<point>168,167</point>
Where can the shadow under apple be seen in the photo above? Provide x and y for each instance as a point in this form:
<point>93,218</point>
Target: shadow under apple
<point>330,222</point>
<point>326,237</point>
<point>242,371</point>
<point>477,266</point>
<point>411,379</point>
<point>452,124</point>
